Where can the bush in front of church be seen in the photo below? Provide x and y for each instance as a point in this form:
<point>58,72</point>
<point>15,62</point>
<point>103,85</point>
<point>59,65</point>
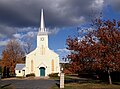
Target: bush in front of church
<point>53,75</point>
<point>30,75</point>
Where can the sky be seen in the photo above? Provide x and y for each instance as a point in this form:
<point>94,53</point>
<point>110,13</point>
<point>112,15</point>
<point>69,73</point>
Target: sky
<point>20,19</point>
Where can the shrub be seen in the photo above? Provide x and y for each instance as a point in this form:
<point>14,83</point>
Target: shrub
<point>30,75</point>
<point>53,75</point>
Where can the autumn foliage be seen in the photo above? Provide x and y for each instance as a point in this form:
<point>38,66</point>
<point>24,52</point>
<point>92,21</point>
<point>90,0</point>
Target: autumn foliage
<point>98,50</point>
<point>11,55</point>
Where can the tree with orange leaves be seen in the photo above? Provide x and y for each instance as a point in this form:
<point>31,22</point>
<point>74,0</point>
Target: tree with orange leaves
<point>99,50</point>
<point>11,55</point>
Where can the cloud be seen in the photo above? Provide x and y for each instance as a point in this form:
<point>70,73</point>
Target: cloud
<point>7,30</point>
<point>2,35</point>
<point>114,3</point>
<point>83,30</point>
<point>30,34</point>
<point>10,32</point>
<point>4,42</point>
<point>63,52</point>
<point>23,15</point>
<point>27,29</point>
<point>58,12</point>
<point>17,36</point>
<point>27,36</point>
<point>97,4</point>
<point>52,31</point>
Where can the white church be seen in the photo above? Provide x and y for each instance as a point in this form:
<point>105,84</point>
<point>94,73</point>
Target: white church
<point>42,61</point>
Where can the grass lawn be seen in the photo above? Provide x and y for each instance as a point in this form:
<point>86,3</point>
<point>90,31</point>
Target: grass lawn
<point>7,87</point>
<point>88,86</point>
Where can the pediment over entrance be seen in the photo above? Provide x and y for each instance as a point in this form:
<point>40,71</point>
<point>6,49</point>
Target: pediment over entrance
<point>42,65</point>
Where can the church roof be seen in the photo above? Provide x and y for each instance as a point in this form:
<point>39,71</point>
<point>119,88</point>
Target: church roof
<point>19,66</point>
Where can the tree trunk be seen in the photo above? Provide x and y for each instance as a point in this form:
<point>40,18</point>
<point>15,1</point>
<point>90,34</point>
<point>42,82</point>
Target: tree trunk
<point>110,81</point>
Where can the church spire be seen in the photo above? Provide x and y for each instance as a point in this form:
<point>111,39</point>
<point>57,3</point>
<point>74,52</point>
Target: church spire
<point>42,28</point>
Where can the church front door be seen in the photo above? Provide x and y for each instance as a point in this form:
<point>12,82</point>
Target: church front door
<point>42,71</point>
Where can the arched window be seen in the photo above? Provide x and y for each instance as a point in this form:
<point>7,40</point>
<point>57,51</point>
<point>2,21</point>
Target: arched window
<point>52,65</point>
<point>42,50</point>
<point>31,65</point>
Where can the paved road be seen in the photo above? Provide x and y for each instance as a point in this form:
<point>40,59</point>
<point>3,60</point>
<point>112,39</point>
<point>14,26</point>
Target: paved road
<point>30,84</point>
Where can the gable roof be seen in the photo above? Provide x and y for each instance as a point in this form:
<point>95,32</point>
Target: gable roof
<point>19,66</point>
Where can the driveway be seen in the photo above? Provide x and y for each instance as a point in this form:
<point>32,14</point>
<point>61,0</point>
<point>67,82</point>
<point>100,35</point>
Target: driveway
<point>29,83</point>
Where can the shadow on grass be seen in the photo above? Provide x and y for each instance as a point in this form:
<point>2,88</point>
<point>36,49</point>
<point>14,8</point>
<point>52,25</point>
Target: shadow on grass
<point>58,85</point>
<point>86,83</point>
<point>78,80</point>
<point>116,83</point>
<point>4,86</point>
<point>70,79</point>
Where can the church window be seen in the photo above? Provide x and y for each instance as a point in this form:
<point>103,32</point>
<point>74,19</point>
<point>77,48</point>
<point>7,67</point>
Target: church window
<point>31,65</point>
<point>52,65</point>
<point>19,71</point>
<point>42,50</point>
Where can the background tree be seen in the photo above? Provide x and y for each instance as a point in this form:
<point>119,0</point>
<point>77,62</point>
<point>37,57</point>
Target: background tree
<point>108,47</point>
<point>99,50</point>
<point>28,46</point>
<point>11,55</point>
<point>28,43</point>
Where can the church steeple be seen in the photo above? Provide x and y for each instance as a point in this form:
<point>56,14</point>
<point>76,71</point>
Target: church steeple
<point>42,37</point>
<point>42,26</point>
<point>42,22</point>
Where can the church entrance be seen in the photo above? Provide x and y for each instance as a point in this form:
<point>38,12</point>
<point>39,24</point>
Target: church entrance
<point>42,71</point>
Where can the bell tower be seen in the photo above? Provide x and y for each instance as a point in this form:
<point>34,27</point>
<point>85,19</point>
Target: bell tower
<point>42,37</point>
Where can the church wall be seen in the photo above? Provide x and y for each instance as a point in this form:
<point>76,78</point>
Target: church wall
<point>46,62</point>
<point>42,61</point>
<point>29,57</point>
<point>18,73</point>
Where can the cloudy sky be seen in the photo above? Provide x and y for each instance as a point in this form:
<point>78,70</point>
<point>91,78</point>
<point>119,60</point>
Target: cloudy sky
<point>20,19</point>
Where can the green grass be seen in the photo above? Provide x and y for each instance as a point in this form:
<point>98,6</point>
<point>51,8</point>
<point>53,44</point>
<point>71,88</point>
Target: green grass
<point>55,78</point>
